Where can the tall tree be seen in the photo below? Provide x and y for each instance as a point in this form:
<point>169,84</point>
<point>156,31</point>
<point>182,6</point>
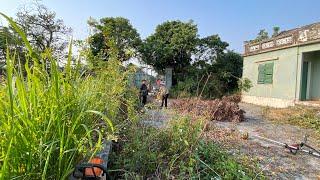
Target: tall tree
<point>229,67</point>
<point>209,49</point>
<point>118,31</point>
<point>42,28</point>
<point>171,45</point>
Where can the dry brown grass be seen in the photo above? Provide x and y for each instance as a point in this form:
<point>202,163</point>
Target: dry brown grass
<point>280,114</point>
<point>302,116</point>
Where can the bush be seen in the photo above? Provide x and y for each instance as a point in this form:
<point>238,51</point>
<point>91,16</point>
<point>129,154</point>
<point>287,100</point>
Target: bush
<point>177,152</point>
<point>213,88</point>
<point>210,87</point>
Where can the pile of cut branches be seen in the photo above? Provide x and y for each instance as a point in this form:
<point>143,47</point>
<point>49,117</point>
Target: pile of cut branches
<point>224,109</point>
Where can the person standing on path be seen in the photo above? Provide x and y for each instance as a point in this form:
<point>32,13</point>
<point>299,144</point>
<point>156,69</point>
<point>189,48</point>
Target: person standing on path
<point>143,92</point>
<point>164,94</point>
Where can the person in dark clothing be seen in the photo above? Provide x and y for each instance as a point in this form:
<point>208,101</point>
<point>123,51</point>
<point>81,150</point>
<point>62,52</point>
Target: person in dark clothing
<point>143,92</point>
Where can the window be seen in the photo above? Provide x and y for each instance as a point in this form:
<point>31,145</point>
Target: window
<point>265,75</point>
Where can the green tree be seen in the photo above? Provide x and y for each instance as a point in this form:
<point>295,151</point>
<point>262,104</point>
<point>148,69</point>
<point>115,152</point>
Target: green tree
<point>262,35</point>
<point>229,67</point>
<point>171,45</point>
<point>209,49</point>
<point>215,71</point>
<point>119,32</point>
<point>276,31</point>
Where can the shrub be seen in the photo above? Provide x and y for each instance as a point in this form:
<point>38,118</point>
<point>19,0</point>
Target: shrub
<point>177,152</point>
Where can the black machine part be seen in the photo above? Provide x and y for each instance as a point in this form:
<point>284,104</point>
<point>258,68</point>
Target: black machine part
<point>79,172</point>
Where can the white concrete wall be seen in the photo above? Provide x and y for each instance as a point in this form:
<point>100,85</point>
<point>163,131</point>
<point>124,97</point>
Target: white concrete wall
<point>264,101</point>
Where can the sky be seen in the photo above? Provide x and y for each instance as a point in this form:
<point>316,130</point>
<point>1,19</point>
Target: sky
<point>235,21</point>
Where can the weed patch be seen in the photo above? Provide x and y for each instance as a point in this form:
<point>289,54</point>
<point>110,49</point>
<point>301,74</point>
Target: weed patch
<point>176,152</point>
<point>306,117</point>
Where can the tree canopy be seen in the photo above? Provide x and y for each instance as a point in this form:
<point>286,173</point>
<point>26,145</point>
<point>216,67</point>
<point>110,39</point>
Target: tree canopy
<point>209,49</point>
<point>119,32</point>
<point>42,28</point>
<point>194,60</point>
<point>171,45</point>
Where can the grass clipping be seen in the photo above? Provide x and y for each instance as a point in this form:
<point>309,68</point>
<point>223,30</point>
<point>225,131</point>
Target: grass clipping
<point>224,109</point>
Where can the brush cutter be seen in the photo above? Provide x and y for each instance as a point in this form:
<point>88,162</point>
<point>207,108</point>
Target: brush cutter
<point>294,148</point>
<point>96,168</point>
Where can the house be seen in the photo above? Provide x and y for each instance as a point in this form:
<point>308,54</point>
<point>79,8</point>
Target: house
<point>284,70</point>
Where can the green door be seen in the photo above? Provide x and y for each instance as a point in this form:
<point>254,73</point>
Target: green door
<point>304,85</point>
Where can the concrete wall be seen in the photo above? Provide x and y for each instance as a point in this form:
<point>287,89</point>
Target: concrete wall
<point>284,74</point>
<point>285,89</point>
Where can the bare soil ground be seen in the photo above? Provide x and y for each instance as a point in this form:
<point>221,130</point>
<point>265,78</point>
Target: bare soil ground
<point>275,161</point>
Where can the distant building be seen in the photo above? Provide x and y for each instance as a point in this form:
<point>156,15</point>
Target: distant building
<point>285,69</point>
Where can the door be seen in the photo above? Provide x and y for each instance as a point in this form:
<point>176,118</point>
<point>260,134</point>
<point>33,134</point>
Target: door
<point>304,84</point>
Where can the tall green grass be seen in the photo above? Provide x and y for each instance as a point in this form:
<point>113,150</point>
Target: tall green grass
<point>52,119</point>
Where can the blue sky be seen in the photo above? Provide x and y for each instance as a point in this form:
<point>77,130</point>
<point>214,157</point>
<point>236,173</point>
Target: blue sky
<point>234,20</point>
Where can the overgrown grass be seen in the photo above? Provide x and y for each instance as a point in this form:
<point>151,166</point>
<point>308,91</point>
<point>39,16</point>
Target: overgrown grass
<point>52,119</point>
<point>49,117</point>
<point>306,117</point>
<point>176,152</point>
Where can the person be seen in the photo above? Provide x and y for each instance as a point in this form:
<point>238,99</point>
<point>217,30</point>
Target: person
<point>144,92</point>
<point>164,94</point>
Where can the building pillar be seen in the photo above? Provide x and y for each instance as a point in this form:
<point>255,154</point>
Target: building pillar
<point>168,77</point>
<point>299,63</point>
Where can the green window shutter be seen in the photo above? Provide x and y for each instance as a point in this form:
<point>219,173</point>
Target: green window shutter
<point>261,76</point>
<point>268,77</point>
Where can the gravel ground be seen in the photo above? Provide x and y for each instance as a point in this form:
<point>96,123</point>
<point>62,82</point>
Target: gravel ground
<point>276,162</point>
<point>156,117</point>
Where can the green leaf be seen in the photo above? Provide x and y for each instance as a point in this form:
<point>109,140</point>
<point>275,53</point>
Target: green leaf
<point>104,117</point>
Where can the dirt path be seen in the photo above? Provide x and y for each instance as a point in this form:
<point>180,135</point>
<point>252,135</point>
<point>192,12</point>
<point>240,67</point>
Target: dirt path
<point>155,116</point>
<point>276,161</point>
